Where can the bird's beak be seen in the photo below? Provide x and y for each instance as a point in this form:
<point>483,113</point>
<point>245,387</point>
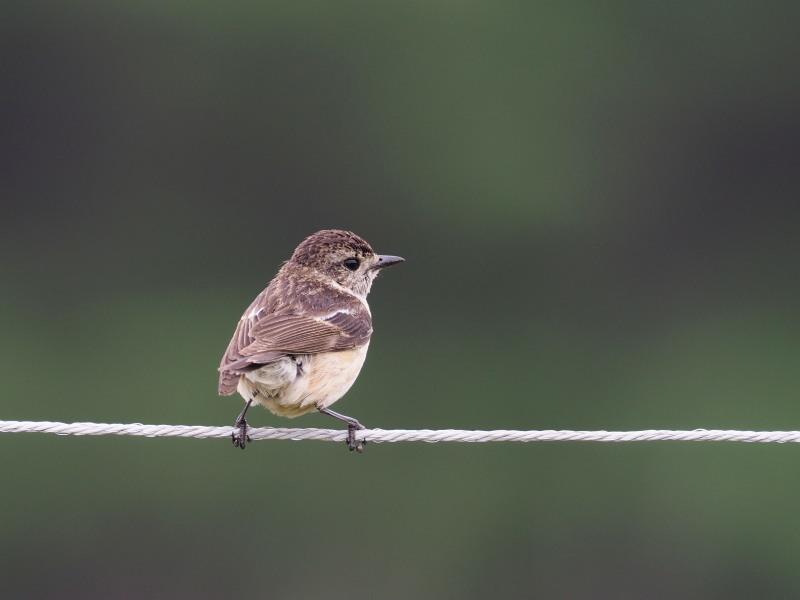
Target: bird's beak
<point>386,260</point>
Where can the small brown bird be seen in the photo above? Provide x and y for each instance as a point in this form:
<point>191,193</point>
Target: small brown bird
<point>301,343</point>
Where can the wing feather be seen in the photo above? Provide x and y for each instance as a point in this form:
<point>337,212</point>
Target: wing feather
<point>306,334</point>
<point>260,339</point>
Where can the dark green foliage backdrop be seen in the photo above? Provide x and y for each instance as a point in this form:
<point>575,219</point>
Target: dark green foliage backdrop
<point>598,203</point>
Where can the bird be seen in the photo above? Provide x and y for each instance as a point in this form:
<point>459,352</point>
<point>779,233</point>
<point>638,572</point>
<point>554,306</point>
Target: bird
<point>301,343</point>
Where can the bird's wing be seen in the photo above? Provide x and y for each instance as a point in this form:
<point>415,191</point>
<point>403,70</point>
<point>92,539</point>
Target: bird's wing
<point>271,337</point>
<point>228,373</point>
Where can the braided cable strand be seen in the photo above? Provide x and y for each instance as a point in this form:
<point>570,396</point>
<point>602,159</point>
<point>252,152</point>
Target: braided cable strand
<point>402,435</point>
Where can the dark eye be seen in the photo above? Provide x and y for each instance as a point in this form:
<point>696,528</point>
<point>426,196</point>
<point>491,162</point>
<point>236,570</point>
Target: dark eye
<point>351,263</point>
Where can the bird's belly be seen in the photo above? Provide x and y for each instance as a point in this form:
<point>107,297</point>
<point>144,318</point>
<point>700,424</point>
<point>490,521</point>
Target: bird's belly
<point>290,388</point>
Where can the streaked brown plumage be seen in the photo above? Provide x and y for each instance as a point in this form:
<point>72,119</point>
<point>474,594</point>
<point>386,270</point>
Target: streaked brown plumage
<point>301,344</point>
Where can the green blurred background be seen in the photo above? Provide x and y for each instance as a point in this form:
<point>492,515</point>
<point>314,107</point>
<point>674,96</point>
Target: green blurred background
<point>599,207</point>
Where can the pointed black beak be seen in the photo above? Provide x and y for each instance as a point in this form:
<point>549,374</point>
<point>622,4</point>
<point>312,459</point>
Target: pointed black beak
<point>386,260</point>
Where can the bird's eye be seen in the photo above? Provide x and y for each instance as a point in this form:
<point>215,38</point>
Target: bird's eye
<point>351,263</point>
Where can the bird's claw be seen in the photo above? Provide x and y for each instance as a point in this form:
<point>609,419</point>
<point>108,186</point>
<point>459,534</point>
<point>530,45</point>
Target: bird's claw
<point>352,442</point>
<point>239,435</point>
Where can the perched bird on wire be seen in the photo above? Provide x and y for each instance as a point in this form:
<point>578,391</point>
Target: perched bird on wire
<point>301,344</point>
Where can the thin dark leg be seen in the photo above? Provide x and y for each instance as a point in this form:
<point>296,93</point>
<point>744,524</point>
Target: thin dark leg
<point>239,434</point>
<point>352,427</point>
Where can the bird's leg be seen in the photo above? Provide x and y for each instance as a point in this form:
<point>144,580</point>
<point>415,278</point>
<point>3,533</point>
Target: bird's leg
<point>239,434</point>
<point>352,426</point>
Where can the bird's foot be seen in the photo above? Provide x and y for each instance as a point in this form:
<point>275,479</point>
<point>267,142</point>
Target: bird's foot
<point>352,442</point>
<point>239,435</point>
<point>352,427</point>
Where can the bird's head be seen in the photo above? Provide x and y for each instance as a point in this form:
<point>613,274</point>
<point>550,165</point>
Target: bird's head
<point>344,257</point>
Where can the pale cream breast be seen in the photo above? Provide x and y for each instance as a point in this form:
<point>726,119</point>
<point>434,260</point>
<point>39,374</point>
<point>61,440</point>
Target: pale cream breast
<point>290,388</point>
